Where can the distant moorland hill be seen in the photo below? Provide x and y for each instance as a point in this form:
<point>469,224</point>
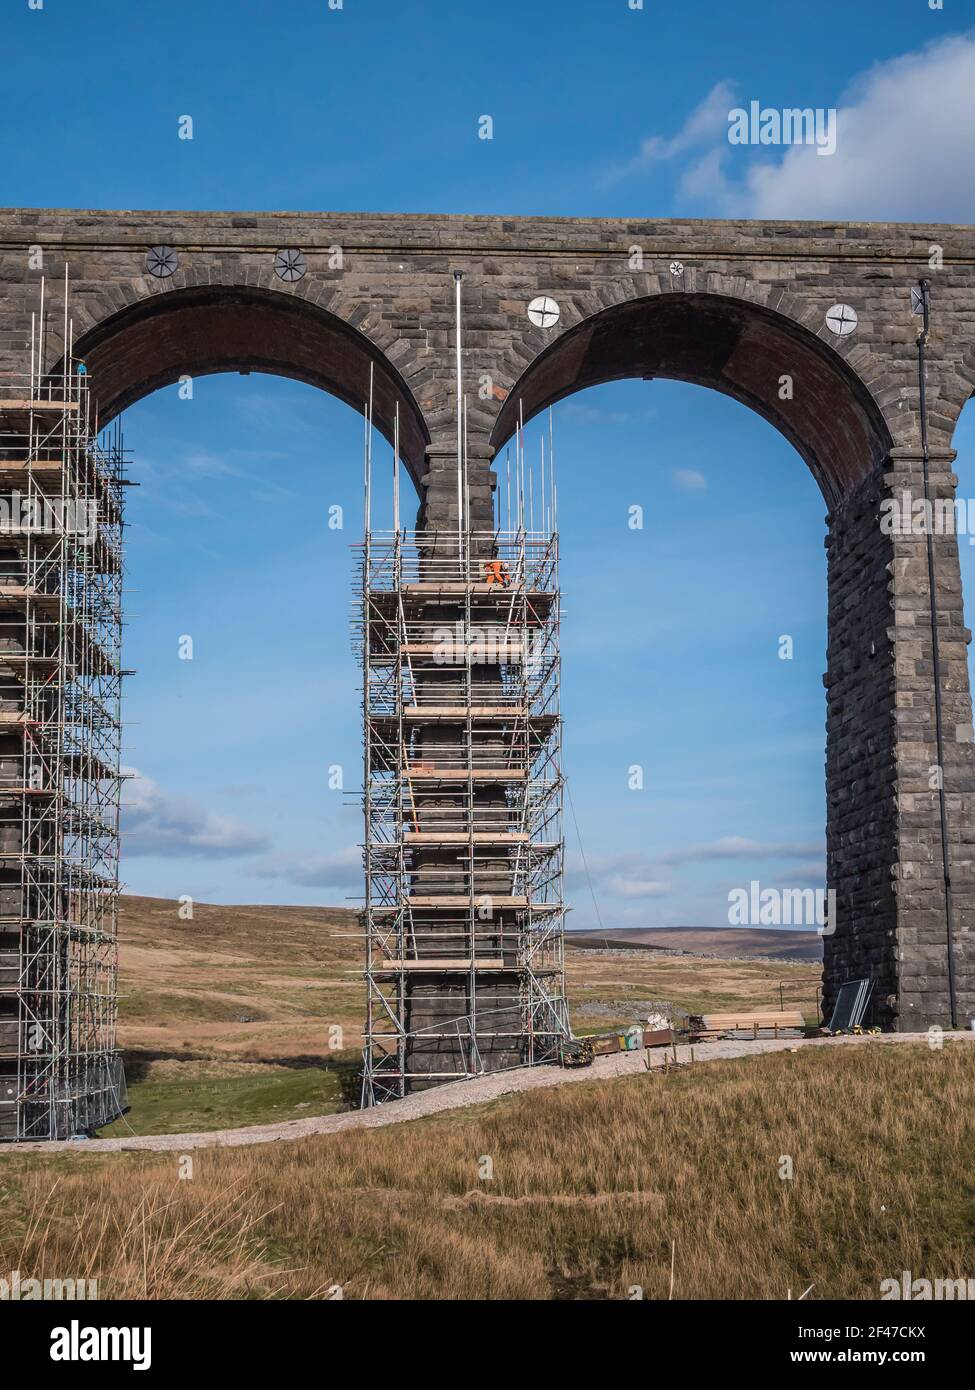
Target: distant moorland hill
<point>752,943</point>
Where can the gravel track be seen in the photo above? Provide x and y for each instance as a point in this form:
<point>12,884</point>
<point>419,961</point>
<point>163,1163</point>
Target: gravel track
<point>459,1094</point>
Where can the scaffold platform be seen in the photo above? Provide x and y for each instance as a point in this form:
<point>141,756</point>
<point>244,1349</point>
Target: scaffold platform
<point>60,730</point>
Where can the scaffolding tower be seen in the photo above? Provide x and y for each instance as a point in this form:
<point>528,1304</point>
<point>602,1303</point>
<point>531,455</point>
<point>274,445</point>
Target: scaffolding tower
<point>458,636</point>
<point>60,725</point>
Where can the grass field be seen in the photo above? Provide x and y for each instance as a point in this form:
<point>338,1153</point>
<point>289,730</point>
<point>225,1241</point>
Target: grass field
<point>243,1015</point>
<point>174,1097</point>
<point>608,991</point>
<point>250,1015</point>
<point>247,1015</point>
<point>590,1185</point>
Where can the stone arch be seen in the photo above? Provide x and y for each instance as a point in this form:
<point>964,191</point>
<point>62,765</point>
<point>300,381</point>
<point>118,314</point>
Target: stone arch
<point>736,346</point>
<point>200,329</point>
<point>855,424</point>
<point>957,389</point>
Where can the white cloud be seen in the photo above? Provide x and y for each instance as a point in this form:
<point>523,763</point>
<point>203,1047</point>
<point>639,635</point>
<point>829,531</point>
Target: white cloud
<point>708,120</point>
<point>904,148</point>
<point>157,824</point>
<point>690,480</point>
<point>705,178</point>
<point>904,151</point>
<point>738,847</point>
<point>343,868</point>
<point>625,887</point>
<point>202,463</point>
<point>802,876</point>
<point>629,874</point>
<point>585,413</point>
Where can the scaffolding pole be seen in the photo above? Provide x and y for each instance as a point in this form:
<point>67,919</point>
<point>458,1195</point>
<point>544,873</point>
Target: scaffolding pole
<point>60,733</point>
<point>463,850</point>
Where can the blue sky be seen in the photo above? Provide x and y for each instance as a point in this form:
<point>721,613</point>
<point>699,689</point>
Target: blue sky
<point>671,635</point>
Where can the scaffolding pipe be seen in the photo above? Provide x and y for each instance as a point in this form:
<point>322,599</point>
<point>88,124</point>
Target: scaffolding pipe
<point>922,339</point>
<point>462,796</point>
<point>368,460</point>
<point>458,278</point>
<point>63,672</point>
<point>467,490</point>
<point>396,471</point>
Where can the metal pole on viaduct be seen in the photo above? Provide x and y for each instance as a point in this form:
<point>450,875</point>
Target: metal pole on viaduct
<point>809,324</point>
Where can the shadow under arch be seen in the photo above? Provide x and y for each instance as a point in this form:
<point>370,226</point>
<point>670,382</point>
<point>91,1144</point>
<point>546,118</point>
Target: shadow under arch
<point>202,330</point>
<point>741,349</point>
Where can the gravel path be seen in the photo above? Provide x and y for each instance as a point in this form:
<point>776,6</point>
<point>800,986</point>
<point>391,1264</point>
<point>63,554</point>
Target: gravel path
<point>459,1094</point>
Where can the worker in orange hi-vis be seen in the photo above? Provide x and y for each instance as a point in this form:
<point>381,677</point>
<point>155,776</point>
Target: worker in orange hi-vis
<point>497,572</point>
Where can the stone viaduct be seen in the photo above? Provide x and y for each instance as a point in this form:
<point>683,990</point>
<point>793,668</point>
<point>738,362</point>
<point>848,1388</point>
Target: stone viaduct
<point>737,306</point>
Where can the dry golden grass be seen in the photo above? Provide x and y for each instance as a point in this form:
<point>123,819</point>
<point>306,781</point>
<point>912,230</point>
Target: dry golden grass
<point>591,1185</point>
<point>255,983</point>
<point>598,984</point>
<point>267,983</point>
<point>155,1247</point>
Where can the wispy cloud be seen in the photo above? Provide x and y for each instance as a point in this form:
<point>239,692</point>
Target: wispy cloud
<point>341,869</point>
<point>904,148</point>
<point>802,876</point>
<point>624,887</point>
<point>738,847</point>
<point>157,824</point>
<point>706,122</point>
<point>631,877</point>
<point>690,480</point>
<point>582,412</point>
<point>203,463</point>
<point>628,874</point>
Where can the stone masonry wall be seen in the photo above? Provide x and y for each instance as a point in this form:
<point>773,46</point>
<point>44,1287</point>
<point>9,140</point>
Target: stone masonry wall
<point>392,298</point>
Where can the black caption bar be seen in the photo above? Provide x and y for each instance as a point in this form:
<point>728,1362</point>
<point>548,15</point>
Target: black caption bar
<point>146,1339</point>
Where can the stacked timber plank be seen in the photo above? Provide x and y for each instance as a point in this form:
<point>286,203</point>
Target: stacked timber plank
<point>774,1021</point>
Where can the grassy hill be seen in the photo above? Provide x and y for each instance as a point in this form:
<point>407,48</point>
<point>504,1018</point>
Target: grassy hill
<point>591,1185</point>
<point>239,1016</point>
<point>248,1014</point>
<point>255,983</point>
<point>754,943</point>
<point>594,1185</point>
